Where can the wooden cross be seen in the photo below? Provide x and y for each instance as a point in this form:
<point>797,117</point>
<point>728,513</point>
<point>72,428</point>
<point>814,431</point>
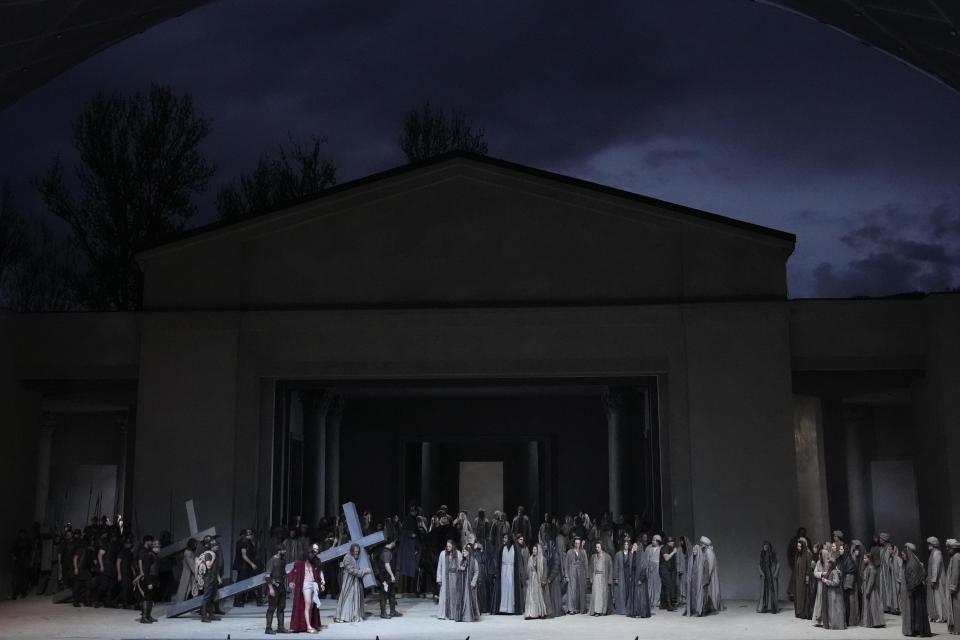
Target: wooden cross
<point>356,537</point>
<point>195,534</point>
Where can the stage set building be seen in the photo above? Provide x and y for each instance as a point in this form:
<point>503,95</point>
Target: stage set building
<point>486,335</point>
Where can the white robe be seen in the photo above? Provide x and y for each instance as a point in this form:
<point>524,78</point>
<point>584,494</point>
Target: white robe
<point>508,557</point>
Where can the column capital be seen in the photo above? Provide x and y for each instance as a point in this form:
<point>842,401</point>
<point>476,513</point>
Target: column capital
<point>612,402</point>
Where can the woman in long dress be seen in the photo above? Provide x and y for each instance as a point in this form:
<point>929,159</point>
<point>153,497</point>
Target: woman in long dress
<point>769,580</point>
<point>350,603</point>
<point>872,606</point>
<point>468,609</point>
<point>638,600</point>
<point>832,608</point>
<point>819,571</point>
<point>694,606</point>
<point>535,606</point>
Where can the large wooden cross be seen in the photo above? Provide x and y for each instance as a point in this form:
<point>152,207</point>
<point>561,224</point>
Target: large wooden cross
<point>356,537</point>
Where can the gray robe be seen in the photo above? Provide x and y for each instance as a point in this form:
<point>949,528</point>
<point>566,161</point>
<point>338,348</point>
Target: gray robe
<point>694,603</point>
<point>891,568</point>
<point>872,608</point>
<point>953,589</point>
<point>601,579</point>
<point>653,572</point>
<point>534,604</point>
<point>620,586</point>
<point>833,610</point>
<point>713,601</point>
<point>447,568</point>
<point>576,574</point>
<point>350,603</point>
<point>938,597</point>
<point>468,606</point>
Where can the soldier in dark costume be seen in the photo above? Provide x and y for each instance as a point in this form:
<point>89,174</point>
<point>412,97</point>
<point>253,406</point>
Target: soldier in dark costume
<point>276,570</point>
<point>148,577</point>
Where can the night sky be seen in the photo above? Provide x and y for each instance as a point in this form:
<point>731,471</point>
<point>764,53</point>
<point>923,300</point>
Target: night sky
<point>724,105</point>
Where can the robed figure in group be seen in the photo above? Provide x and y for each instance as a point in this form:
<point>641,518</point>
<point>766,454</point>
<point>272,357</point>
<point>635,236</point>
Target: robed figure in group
<point>769,580</point>
<point>576,575</point>
<point>307,582</point>
<point>638,599</point>
<point>601,573</point>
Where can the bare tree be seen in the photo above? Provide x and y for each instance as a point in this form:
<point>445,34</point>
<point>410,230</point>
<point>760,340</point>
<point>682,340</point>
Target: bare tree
<point>429,132</point>
<point>140,165</point>
<point>12,238</point>
<point>294,174</point>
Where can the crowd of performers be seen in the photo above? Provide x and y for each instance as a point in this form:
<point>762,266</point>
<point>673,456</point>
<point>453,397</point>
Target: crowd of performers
<point>497,565</point>
<point>837,584</point>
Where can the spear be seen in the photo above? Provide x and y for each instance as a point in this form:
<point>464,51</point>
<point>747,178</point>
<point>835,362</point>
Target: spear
<point>86,521</point>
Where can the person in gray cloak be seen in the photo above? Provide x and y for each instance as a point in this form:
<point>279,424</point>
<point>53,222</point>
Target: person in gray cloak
<point>890,569</point>
<point>638,600</point>
<point>621,586</point>
<point>953,586</point>
<point>871,608</point>
<point>832,608</point>
<point>653,581</point>
<point>937,596</point>
<point>694,599</point>
<point>468,575</point>
<point>713,602</point>
<point>575,575</point>
<point>819,571</point>
<point>552,593</point>
<point>350,603</point>
<point>601,579</point>
<point>535,607</point>
<point>913,604</point>
<point>448,568</point>
<point>769,601</point>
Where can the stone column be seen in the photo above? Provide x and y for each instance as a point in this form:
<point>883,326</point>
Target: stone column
<point>332,489</point>
<point>44,452</point>
<point>123,441</point>
<point>613,404</point>
<point>533,482</point>
<point>857,499</point>
<point>426,477</point>
<point>315,408</point>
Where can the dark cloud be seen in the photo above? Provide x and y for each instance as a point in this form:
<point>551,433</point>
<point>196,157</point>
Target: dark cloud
<point>897,251</point>
<point>730,106</point>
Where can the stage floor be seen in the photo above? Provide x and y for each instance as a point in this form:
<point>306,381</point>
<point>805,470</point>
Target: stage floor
<point>36,617</point>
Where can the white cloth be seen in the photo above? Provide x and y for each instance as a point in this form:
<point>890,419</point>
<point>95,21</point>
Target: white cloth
<point>507,557</point>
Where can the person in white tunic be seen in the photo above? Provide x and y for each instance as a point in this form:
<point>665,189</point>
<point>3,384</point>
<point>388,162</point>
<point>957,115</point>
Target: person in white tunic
<point>601,575</point>
<point>447,567</point>
<point>508,557</point>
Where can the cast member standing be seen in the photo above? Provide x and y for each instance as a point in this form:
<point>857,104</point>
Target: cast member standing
<point>913,604</point>
<point>769,580</point>
<point>350,603</point>
<point>953,586</point>
<point>149,577</point>
<point>388,581</point>
<point>448,567</point>
<point>601,572</point>
<point>802,606</point>
<point>638,600</point>
<point>653,581</point>
<point>552,593</point>
<point>534,604</point>
<point>276,577</point>
<point>872,608</point>
<point>521,524</point>
<point>668,575</point>
<point>575,575</point>
<point>713,602</point>
<point>938,596</point>
<point>468,576</point>
<point>833,611</point>
<point>621,585</point>
<point>307,583</point>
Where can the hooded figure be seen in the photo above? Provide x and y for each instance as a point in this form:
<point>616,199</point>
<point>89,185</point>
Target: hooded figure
<point>653,562</point>
<point>695,593</point>
<point>913,605</point>
<point>769,580</point>
<point>872,608</point>
<point>710,581</point>
<point>937,596</point>
<point>448,567</point>
<point>638,600</point>
<point>803,558</point>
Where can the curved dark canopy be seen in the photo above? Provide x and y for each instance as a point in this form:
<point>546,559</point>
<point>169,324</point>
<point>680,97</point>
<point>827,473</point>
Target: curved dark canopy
<point>922,33</point>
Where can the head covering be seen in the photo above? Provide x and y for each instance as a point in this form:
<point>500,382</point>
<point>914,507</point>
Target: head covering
<point>838,534</point>
<point>953,543</point>
<point>933,541</point>
<point>657,538</point>
<point>804,541</point>
<point>910,546</point>
<point>884,537</point>
<point>914,574</point>
<point>704,540</point>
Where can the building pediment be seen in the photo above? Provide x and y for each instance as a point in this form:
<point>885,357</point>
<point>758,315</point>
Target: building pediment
<point>465,231</point>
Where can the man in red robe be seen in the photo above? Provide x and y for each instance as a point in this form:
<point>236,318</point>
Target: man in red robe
<point>306,581</point>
